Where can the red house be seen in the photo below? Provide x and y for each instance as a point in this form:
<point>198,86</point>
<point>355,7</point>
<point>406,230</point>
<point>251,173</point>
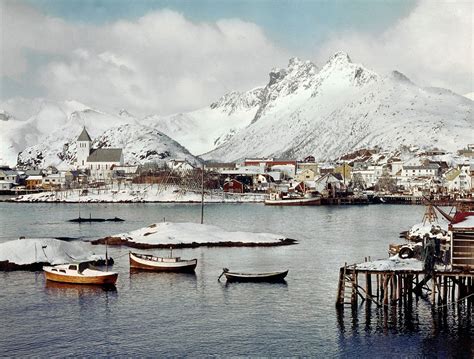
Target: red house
<point>234,186</point>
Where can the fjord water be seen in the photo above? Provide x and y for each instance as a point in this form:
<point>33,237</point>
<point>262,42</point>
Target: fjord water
<point>156,315</point>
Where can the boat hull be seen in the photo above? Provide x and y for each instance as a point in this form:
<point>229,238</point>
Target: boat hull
<point>259,277</point>
<point>106,279</point>
<point>293,202</point>
<point>183,266</point>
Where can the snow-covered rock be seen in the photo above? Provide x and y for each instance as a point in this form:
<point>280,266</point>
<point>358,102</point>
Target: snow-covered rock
<point>46,250</point>
<point>168,234</point>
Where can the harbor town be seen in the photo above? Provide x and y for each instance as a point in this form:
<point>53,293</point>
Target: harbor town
<point>362,177</point>
<point>250,179</point>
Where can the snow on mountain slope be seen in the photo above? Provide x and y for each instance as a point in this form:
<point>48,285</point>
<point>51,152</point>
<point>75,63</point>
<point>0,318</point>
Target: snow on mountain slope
<point>142,144</point>
<point>470,95</point>
<point>59,145</point>
<point>204,129</point>
<point>345,107</point>
<point>42,117</point>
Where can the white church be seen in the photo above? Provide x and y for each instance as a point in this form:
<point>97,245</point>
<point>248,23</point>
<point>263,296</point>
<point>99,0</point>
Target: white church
<point>101,161</point>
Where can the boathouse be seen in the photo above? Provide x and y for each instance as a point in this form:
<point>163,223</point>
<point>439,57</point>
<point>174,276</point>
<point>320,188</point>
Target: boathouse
<point>234,186</point>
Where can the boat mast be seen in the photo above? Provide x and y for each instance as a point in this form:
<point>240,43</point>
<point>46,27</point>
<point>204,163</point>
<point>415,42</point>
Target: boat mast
<point>106,256</point>
<point>202,194</point>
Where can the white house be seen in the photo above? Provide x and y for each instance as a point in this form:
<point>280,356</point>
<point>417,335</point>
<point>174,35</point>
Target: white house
<point>5,185</point>
<point>430,170</point>
<point>368,173</point>
<point>100,161</point>
<point>458,179</point>
<point>9,176</point>
<point>54,180</point>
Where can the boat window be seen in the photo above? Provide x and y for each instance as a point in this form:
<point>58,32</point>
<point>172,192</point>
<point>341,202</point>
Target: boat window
<point>62,271</point>
<point>73,267</point>
<point>54,270</point>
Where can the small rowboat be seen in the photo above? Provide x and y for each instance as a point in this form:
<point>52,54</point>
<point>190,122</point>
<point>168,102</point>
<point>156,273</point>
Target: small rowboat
<point>254,277</point>
<point>79,273</point>
<point>161,264</point>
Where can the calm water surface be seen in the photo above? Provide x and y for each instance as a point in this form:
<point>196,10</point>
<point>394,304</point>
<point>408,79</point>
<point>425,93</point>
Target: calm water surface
<point>157,315</point>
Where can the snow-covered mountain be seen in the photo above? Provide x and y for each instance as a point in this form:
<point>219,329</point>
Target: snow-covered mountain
<point>142,144</point>
<point>204,129</point>
<point>58,147</point>
<point>24,123</point>
<point>303,110</point>
<point>469,95</point>
<point>344,107</point>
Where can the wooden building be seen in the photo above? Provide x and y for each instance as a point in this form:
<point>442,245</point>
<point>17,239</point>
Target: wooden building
<point>34,182</point>
<point>234,186</point>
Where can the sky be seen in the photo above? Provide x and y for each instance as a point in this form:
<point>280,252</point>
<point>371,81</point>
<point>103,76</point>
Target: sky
<point>163,57</point>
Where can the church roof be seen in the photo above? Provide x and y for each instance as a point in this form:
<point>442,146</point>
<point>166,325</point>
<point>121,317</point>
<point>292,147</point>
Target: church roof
<point>105,155</point>
<point>84,136</point>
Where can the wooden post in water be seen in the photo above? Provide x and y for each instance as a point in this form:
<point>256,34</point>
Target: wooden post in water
<point>385,289</point>
<point>368,286</point>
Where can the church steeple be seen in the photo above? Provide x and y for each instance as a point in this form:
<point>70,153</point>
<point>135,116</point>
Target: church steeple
<point>83,147</point>
<point>84,136</point>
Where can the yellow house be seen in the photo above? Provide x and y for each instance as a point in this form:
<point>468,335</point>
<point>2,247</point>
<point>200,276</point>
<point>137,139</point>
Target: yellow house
<point>306,175</point>
<point>345,171</point>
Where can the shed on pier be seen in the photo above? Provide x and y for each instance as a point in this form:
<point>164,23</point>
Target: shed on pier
<point>462,245</point>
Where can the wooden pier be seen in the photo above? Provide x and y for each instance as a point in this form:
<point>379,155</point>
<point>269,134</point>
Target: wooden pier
<point>396,287</point>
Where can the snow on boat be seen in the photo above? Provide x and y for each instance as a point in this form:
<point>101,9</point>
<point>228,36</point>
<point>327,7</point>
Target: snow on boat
<point>254,277</point>
<point>277,199</point>
<point>79,273</point>
<point>161,264</point>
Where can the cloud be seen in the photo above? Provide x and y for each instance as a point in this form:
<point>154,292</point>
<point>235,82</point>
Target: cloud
<point>159,63</point>
<point>433,45</point>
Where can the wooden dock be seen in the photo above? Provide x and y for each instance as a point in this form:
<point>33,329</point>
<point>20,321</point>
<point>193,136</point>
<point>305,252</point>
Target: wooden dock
<point>396,287</point>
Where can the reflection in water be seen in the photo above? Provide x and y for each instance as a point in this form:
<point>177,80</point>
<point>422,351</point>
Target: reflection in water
<point>453,323</point>
<point>226,284</point>
<point>168,279</point>
<point>77,290</point>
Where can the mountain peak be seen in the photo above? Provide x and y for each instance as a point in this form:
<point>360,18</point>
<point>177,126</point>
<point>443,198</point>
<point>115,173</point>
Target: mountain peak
<point>124,113</point>
<point>340,57</point>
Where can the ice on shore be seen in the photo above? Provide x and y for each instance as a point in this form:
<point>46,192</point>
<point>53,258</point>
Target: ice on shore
<point>186,233</point>
<point>46,250</point>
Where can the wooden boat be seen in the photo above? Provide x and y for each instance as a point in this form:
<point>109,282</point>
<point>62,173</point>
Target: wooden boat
<point>79,273</point>
<point>161,264</point>
<point>278,199</point>
<point>253,277</point>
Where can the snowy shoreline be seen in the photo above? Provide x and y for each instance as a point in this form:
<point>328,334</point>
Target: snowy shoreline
<point>136,194</point>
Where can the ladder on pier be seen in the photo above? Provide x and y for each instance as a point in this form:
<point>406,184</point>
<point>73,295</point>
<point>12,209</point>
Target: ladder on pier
<point>347,287</point>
